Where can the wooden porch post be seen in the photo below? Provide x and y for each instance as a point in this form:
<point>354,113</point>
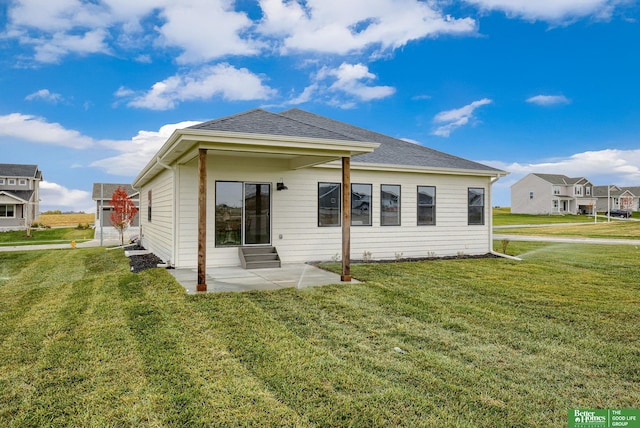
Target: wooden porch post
<point>202,220</point>
<point>346,219</point>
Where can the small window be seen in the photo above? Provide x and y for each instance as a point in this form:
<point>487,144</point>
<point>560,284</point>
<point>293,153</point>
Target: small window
<point>530,195</point>
<point>390,205</point>
<point>555,204</point>
<point>577,190</point>
<point>1,181</point>
<point>7,211</point>
<point>12,182</point>
<point>587,191</point>
<point>361,204</point>
<point>476,206</point>
<point>149,206</point>
<point>22,182</point>
<point>329,204</point>
<point>426,205</point>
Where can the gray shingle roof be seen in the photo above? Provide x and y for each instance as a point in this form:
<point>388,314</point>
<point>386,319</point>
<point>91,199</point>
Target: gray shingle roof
<point>17,170</point>
<point>561,180</point>
<point>108,189</point>
<point>299,123</point>
<point>25,195</point>
<point>392,151</point>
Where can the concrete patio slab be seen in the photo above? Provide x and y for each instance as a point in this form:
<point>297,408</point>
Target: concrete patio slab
<point>237,279</point>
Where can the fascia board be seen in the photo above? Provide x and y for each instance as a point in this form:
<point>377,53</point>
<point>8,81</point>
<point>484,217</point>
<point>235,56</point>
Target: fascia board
<point>417,169</point>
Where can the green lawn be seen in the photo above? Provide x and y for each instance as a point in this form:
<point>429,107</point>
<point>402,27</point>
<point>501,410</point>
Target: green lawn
<point>481,342</point>
<point>503,217</point>
<point>46,236</point>
<point>616,229</point>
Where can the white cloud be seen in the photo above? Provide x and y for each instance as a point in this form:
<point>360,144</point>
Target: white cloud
<point>349,79</point>
<point>134,154</point>
<point>551,10</point>
<point>601,167</point>
<point>45,95</point>
<point>453,119</point>
<point>205,30</point>
<point>224,80</point>
<point>548,100</point>
<point>336,26</point>
<point>65,199</point>
<point>38,130</point>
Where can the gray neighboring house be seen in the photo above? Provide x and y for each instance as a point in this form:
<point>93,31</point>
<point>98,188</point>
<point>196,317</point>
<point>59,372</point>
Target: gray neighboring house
<point>102,193</point>
<point>19,196</point>
<point>617,198</point>
<point>552,194</point>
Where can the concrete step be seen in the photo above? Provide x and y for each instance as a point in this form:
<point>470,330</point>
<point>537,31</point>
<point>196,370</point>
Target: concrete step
<point>259,257</point>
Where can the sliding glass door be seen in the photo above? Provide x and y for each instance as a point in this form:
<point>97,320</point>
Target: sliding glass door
<point>243,214</point>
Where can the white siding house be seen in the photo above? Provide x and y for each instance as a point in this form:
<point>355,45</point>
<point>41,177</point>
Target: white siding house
<point>265,179</point>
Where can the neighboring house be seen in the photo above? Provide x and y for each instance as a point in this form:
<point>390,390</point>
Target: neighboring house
<point>102,194</point>
<point>617,198</point>
<point>261,179</point>
<point>552,194</point>
<point>19,196</point>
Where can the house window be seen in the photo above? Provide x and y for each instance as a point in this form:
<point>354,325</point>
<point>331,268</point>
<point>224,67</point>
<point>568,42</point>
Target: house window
<point>476,206</point>
<point>426,205</point>
<point>1,181</point>
<point>149,206</point>
<point>555,205</point>
<point>556,190</point>
<point>12,182</point>
<point>577,190</point>
<point>328,204</point>
<point>22,182</point>
<point>530,195</point>
<point>361,204</point>
<point>587,191</point>
<point>389,205</point>
<point>7,211</point>
<point>228,213</point>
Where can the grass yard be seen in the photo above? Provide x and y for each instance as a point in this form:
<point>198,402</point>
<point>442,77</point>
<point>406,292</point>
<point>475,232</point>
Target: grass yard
<point>480,342</point>
<point>503,217</point>
<point>46,236</point>
<point>616,229</point>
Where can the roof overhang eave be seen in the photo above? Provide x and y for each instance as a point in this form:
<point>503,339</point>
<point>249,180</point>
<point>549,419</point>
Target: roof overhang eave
<point>310,151</point>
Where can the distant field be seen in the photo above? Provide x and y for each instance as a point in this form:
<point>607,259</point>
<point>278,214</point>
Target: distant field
<point>55,220</point>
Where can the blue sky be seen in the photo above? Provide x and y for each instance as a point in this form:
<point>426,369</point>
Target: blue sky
<point>89,90</point>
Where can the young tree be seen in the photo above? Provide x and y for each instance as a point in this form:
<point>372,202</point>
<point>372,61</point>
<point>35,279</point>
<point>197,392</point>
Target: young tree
<point>124,210</point>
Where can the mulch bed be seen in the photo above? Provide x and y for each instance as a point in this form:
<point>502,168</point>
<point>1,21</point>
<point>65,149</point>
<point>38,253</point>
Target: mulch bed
<point>142,262</point>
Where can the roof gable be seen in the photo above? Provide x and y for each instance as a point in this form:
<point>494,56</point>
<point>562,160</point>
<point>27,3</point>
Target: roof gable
<point>19,196</point>
<point>105,190</point>
<point>561,180</point>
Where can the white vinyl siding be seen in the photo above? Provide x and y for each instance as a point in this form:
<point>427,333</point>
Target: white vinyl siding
<point>295,231</point>
<point>157,235</point>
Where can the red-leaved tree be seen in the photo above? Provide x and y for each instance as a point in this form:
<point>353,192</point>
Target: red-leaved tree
<point>124,210</point>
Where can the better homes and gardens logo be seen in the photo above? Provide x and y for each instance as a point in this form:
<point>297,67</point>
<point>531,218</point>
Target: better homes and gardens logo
<point>602,418</point>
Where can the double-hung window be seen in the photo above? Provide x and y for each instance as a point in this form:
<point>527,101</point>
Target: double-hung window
<point>476,205</point>
<point>390,205</point>
<point>361,204</point>
<point>426,205</point>
<point>7,211</point>
<point>329,201</point>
